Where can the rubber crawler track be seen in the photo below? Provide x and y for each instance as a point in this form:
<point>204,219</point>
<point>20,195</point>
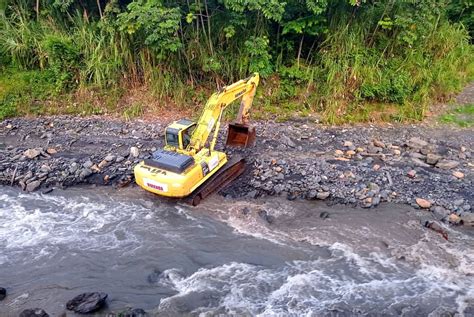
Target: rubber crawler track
<point>230,171</point>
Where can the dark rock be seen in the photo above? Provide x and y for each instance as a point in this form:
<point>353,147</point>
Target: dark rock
<point>435,227</point>
<point>291,196</point>
<point>3,293</point>
<point>47,191</point>
<point>324,215</point>
<point>245,211</point>
<point>135,312</point>
<point>154,276</point>
<point>35,312</point>
<point>265,216</point>
<point>87,302</point>
<point>124,181</point>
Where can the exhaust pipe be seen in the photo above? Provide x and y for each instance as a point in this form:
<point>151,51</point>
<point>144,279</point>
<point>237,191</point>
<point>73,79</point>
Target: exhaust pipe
<point>240,135</point>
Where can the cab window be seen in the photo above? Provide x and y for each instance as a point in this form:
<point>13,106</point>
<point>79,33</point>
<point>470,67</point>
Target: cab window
<point>172,138</point>
<point>187,136</point>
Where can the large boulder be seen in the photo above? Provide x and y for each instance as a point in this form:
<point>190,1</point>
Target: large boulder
<point>87,302</point>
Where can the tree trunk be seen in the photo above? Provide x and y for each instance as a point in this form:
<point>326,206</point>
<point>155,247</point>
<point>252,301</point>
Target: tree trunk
<point>209,27</point>
<point>100,9</point>
<point>310,52</point>
<point>37,9</point>
<point>299,51</point>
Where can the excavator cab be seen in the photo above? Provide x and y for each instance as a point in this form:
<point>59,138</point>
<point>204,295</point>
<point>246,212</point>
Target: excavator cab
<point>178,134</point>
<point>240,135</point>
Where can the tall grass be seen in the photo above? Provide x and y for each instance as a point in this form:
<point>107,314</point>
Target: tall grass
<point>349,72</point>
<point>352,75</point>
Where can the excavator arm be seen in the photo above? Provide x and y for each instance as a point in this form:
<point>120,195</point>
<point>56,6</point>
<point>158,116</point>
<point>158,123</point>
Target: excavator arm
<point>211,116</point>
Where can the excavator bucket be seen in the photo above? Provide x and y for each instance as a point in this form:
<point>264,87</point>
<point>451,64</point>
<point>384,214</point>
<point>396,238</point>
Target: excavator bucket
<point>240,135</point>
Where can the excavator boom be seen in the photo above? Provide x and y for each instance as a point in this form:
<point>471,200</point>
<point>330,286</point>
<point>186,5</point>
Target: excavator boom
<point>210,118</point>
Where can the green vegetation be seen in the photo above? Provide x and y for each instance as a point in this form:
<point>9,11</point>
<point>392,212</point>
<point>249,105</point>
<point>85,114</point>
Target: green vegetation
<point>462,116</point>
<point>349,60</point>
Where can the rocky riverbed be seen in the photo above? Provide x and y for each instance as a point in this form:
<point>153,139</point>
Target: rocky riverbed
<point>426,166</point>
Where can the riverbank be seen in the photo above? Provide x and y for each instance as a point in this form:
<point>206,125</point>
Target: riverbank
<point>427,166</point>
<point>298,160</point>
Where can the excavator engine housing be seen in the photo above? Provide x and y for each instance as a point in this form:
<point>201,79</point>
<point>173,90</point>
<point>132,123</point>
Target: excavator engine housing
<point>240,135</point>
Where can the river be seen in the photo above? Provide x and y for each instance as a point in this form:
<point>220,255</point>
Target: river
<point>264,257</point>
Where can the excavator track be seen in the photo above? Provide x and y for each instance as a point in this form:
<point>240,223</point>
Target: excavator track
<point>230,171</point>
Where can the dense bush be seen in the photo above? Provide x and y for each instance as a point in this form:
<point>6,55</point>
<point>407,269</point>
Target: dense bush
<point>336,57</point>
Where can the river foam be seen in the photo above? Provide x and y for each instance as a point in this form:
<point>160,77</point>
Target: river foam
<point>344,284</point>
<point>414,271</point>
<point>286,261</point>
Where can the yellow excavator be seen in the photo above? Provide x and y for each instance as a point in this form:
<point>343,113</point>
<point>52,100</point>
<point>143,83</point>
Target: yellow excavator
<point>188,166</point>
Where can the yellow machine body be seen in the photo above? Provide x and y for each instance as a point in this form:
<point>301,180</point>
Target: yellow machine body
<point>170,184</point>
<point>187,160</point>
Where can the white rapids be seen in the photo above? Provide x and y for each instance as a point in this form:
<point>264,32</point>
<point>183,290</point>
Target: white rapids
<point>173,259</point>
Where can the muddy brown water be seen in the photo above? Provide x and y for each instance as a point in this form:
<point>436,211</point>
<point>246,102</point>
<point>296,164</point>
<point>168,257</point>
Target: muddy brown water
<point>261,257</point>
